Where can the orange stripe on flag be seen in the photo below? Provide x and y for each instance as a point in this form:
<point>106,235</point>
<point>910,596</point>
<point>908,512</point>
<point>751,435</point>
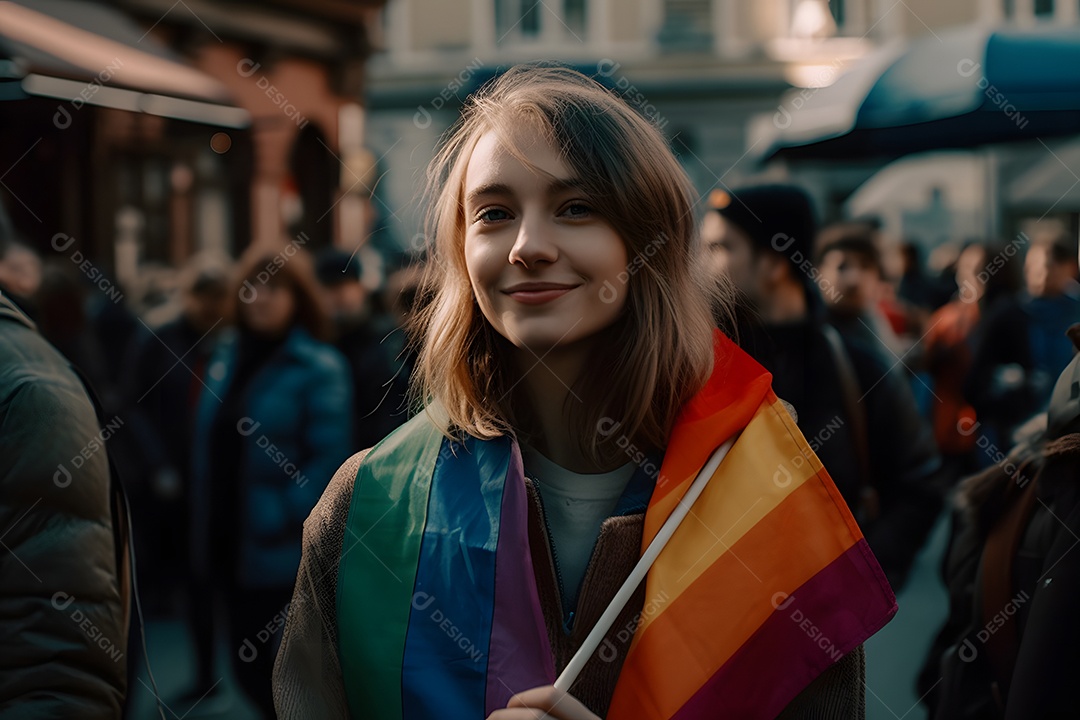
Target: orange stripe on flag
<point>723,407</point>
<point>696,632</point>
<point>765,465</point>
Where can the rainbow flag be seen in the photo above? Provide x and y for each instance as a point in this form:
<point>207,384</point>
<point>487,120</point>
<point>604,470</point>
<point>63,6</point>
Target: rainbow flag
<point>765,584</point>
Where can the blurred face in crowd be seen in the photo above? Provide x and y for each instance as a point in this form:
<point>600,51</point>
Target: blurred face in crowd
<point>544,266</point>
<point>20,271</point>
<point>970,277</point>
<point>729,251</point>
<point>893,264</point>
<point>272,309</point>
<point>856,279</point>
<point>205,306</point>
<point>1043,275</point>
<point>1037,270</point>
<point>347,301</point>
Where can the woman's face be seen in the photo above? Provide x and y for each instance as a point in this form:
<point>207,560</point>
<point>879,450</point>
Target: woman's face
<point>544,266</point>
<point>271,311</point>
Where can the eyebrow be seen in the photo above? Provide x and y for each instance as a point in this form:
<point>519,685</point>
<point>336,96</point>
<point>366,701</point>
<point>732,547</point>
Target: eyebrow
<point>555,187</point>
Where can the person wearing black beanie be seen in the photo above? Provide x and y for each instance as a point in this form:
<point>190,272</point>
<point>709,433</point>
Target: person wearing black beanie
<point>861,419</point>
<point>762,237</point>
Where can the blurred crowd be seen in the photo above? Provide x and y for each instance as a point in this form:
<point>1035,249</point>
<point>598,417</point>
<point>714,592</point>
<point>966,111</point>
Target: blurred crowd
<point>237,388</point>
<point>241,385</point>
<point>921,387</point>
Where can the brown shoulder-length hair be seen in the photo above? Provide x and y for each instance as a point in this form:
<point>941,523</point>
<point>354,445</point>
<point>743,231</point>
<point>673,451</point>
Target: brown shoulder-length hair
<point>656,355</point>
<point>280,263</point>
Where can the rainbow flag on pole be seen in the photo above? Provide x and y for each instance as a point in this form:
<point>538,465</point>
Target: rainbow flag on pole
<point>764,585</point>
<point>769,580</point>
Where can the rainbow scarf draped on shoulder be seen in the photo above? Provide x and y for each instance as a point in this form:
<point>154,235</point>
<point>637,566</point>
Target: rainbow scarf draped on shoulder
<point>764,585</point>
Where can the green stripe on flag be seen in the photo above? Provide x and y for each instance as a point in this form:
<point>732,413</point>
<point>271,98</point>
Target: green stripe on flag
<point>380,552</point>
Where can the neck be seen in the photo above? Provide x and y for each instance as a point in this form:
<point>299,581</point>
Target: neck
<point>552,406</point>
<point>786,302</point>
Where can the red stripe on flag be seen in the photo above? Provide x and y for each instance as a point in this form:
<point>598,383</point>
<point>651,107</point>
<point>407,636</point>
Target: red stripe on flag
<point>829,616</point>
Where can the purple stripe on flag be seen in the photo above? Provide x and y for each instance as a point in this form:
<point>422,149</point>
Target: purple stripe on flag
<point>831,614</point>
<point>519,656</point>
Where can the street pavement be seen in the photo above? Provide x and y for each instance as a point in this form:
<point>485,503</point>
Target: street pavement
<point>895,655</point>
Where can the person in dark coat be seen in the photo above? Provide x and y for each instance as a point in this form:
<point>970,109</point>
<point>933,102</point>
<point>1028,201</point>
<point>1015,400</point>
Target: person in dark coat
<point>1008,648</point>
<point>1020,345</point>
<point>274,421</point>
<point>914,287</point>
<point>168,367</point>
<point>859,418</point>
<point>64,603</point>
<point>377,409</point>
<point>169,364</point>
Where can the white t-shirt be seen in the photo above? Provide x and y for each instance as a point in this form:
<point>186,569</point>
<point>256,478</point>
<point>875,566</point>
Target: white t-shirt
<point>576,504</point>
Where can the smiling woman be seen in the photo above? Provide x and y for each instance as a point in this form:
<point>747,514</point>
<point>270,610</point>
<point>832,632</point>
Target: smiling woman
<point>572,387</point>
<point>537,253</point>
<point>545,195</point>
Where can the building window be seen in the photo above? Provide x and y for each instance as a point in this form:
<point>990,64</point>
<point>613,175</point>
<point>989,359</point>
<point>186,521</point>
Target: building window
<point>574,16</point>
<point>687,26</point>
<point>553,21</point>
<point>518,19</point>
<point>1037,9</point>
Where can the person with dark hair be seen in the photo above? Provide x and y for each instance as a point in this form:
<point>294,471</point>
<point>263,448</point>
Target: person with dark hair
<point>64,570</point>
<point>400,300</point>
<point>861,419</point>
<point>61,303</point>
<point>1019,345</point>
<point>164,391</point>
<point>274,419</point>
<point>1051,305</point>
<point>914,287</point>
<point>850,259</point>
<point>377,410</point>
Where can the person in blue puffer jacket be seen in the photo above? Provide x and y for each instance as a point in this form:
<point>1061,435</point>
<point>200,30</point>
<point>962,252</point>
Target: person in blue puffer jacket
<point>272,425</point>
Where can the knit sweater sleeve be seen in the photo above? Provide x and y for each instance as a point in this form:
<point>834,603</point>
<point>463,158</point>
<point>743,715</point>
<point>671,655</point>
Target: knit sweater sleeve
<point>307,675</point>
<point>837,694</point>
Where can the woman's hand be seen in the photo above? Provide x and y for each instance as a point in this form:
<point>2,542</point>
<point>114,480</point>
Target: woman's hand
<point>543,702</point>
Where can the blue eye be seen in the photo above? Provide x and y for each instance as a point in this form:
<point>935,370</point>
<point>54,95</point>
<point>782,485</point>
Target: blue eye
<point>577,210</point>
<point>492,215</point>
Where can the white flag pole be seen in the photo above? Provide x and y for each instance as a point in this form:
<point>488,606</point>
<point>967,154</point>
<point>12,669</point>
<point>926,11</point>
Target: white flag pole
<point>573,669</point>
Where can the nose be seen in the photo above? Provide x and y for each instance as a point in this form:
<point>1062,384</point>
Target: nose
<point>534,244</point>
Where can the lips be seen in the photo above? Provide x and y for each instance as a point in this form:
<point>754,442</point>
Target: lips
<point>537,293</point>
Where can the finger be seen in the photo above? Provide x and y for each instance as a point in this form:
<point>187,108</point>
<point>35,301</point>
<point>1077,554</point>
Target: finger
<point>521,714</point>
<point>558,704</point>
<point>542,698</point>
